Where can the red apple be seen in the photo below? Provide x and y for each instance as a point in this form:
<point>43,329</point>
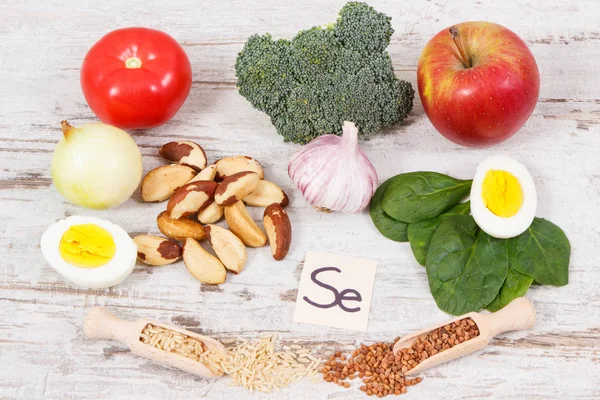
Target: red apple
<point>478,83</point>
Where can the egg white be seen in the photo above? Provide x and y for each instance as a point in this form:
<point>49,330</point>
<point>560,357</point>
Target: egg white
<point>489,222</point>
<point>110,274</point>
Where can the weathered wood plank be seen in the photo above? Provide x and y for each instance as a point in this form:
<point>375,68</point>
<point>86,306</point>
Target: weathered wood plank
<point>42,347</point>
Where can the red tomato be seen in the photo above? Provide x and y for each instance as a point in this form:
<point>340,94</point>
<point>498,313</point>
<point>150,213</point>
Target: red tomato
<point>136,78</point>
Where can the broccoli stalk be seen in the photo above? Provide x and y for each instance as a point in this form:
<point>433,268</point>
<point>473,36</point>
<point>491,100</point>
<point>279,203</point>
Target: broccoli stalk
<point>326,75</point>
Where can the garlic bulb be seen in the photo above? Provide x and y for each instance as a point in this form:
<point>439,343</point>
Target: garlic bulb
<point>333,173</point>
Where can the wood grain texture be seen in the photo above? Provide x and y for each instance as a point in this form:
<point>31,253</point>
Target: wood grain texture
<point>43,352</point>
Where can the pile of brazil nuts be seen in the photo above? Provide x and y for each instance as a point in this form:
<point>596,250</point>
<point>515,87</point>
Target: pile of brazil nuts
<point>382,371</point>
<point>199,195</point>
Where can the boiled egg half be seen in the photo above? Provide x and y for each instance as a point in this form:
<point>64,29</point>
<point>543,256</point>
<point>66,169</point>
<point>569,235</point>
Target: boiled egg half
<point>90,252</point>
<point>503,197</point>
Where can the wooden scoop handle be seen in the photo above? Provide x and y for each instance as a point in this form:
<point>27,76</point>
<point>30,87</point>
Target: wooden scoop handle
<point>518,315</point>
<point>102,324</point>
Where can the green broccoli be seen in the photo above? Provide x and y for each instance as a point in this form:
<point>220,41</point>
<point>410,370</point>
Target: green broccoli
<point>325,75</point>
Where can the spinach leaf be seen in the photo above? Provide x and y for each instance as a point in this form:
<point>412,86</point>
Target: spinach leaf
<point>542,252</point>
<point>420,233</point>
<point>418,196</point>
<point>515,285</point>
<point>388,226</point>
<point>465,266</point>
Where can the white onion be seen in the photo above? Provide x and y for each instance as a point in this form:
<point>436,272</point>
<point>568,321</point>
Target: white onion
<point>96,165</point>
<point>333,173</point>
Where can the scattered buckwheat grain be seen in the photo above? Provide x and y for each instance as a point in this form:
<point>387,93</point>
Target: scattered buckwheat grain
<point>382,372</point>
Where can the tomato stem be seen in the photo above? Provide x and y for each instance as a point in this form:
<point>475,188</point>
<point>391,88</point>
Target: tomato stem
<point>67,129</point>
<point>466,60</point>
<point>133,62</point>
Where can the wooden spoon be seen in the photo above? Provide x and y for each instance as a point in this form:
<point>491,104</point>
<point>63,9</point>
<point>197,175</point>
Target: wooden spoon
<point>101,324</point>
<point>517,315</point>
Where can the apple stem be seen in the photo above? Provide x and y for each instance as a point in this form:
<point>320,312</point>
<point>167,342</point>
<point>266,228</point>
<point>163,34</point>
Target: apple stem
<point>466,60</point>
<point>67,129</point>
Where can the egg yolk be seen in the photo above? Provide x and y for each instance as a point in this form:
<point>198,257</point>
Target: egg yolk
<point>87,246</point>
<point>502,193</point>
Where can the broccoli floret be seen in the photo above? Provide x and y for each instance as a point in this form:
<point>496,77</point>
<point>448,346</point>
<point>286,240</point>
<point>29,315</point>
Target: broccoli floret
<point>325,75</point>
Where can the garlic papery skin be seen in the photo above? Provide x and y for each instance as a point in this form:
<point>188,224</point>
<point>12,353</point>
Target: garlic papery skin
<point>333,173</point>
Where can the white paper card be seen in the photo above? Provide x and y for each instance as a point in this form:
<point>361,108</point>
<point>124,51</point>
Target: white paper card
<point>336,291</point>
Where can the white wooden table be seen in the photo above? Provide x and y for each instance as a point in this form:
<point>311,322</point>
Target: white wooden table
<point>43,353</point>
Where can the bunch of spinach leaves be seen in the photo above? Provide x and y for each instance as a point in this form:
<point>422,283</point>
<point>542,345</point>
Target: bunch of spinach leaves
<point>467,269</point>
<point>413,197</point>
